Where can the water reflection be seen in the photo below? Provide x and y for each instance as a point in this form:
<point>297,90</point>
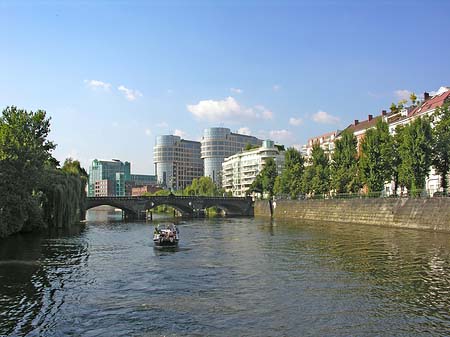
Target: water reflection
<point>227,277</point>
<point>33,267</point>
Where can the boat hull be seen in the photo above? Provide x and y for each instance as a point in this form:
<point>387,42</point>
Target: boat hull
<point>165,243</point>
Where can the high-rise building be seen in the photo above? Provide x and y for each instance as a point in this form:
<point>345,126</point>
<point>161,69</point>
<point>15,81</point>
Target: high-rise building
<point>115,171</point>
<point>218,144</point>
<point>177,161</point>
<point>241,169</point>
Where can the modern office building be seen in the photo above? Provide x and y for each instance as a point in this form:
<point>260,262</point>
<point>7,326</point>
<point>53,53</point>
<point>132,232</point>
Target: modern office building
<point>241,169</point>
<point>177,161</point>
<point>108,177</point>
<point>218,144</point>
<point>113,178</point>
<point>143,179</point>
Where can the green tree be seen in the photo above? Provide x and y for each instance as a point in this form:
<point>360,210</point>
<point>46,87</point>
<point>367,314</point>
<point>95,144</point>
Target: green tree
<point>74,167</point>
<point>396,162</point>
<point>415,154</point>
<point>376,157</point>
<point>344,167</point>
<point>290,179</point>
<point>265,180</point>
<point>25,152</point>
<point>441,144</point>
<point>316,179</point>
<point>203,186</point>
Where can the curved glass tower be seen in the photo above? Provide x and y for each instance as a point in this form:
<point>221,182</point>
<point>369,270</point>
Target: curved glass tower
<point>177,161</point>
<point>219,143</point>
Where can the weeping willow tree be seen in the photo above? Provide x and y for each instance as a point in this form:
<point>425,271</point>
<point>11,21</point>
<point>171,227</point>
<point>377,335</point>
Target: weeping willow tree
<point>62,198</point>
<point>34,193</point>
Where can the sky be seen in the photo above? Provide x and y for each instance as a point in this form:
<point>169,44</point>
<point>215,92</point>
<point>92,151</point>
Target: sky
<point>112,75</point>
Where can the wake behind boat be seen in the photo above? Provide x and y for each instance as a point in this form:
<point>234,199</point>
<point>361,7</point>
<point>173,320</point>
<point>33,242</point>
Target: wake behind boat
<point>166,235</point>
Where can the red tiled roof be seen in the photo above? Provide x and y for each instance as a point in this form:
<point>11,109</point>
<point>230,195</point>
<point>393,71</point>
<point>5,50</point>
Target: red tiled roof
<point>432,103</point>
<point>364,125</point>
<point>325,135</point>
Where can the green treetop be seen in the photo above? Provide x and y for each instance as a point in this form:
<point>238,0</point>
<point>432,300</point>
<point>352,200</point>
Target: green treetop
<point>441,144</point>
<point>344,167</point>
<point>376,157</point>
<point>415,154</point>
<point>290,180</point>
<point>316,179</point>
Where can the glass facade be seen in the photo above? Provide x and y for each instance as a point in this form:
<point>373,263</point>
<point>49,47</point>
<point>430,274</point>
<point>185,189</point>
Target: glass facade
<point>177,161</point>
<point>115,171</point>
<point>219,143</point>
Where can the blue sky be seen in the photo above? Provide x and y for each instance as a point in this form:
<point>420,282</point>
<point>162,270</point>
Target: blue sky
<point>114,74</point>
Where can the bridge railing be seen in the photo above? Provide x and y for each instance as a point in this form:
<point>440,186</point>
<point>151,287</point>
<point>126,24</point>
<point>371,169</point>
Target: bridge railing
<point>181,197</point>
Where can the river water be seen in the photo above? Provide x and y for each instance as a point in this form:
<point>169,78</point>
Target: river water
<point>229,277</point>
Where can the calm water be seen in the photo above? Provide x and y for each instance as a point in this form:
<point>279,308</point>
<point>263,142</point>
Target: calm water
<point>229,277</point>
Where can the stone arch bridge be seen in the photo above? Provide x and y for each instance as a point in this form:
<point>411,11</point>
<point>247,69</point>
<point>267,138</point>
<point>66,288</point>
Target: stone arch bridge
<point>135,207</point>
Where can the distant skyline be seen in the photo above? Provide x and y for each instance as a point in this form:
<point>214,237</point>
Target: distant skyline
<point>113,75</point>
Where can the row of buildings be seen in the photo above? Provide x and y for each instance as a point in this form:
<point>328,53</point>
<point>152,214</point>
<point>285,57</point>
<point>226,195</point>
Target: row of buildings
<point>233,160</point>
<point>421,107</point>
<point>220,155</point>
<point>114,178</point>
<point>179,161</point>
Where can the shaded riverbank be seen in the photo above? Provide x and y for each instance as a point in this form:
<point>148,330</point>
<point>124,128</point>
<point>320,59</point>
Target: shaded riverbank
<point>427,213</point>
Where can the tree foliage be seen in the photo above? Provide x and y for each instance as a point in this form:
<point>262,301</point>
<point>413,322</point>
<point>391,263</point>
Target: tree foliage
<point>415,154</point>
<point>441,144</point>
<point>203,186</point>
<point>265,180</point>
<point>376,157</point>
<point>289,182</point>
<point>316,179</point>
<point>31,186</point>
<point>344,166</point>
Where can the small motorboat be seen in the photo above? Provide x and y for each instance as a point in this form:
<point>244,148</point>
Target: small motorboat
<point>166,235</point>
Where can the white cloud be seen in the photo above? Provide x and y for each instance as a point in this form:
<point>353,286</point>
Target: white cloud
<point>276,87</point>
<point>402,94</point>
<point>162,125</point>
<point>281,135</point>
<point>180,133</point>
<point>130,94</point>
<point>325,118</point>
<point>148,132</point>
<point>227,109</point>
<point>295,121</point>
<point>263,113</point>
<point>244,131</point>
<point>236,90</point>
<point>96,84</point>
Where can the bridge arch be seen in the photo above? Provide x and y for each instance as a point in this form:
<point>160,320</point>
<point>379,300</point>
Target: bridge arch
<point>183,209</point>
<point>228,208</point>
<point>123,207</point>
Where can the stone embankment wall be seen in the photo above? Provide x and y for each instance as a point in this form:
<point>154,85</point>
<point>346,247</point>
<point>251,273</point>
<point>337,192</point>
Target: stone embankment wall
<point>428,214</point>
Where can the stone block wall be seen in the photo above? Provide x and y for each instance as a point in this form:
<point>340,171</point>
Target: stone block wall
<point>429,214</point>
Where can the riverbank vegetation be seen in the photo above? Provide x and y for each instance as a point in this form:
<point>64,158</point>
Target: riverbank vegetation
<point>34,191</point>
<point>404,158</point>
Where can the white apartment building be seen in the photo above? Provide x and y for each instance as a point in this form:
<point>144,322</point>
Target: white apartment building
<point>240,170</point>
<point>326,142</point>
